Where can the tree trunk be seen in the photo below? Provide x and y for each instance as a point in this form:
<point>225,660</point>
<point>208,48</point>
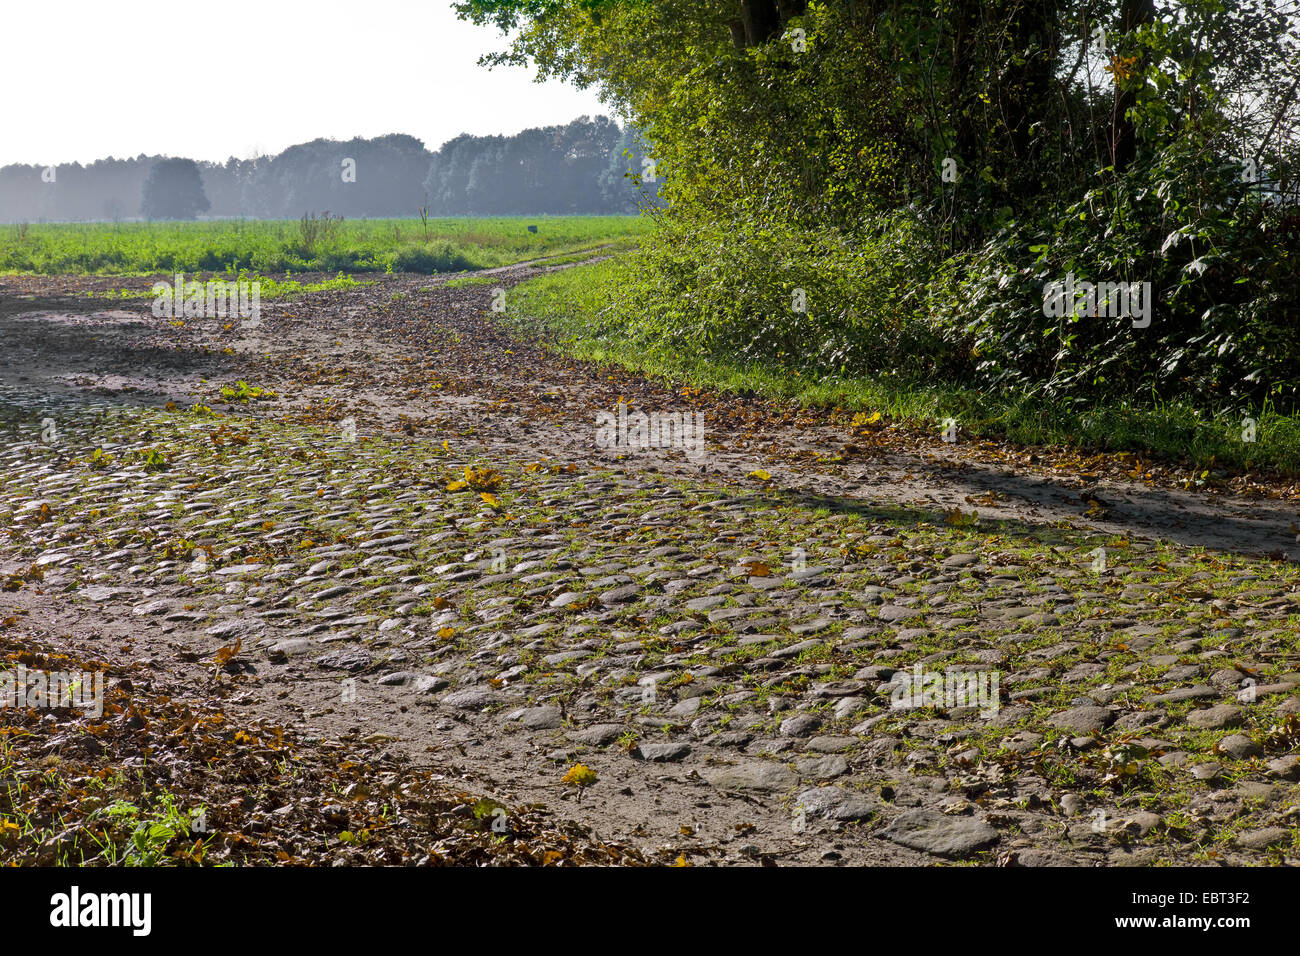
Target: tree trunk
<point>1123,143</point>
<point>761,20</point>
<point>1030,85</point>
<point>961,96</point>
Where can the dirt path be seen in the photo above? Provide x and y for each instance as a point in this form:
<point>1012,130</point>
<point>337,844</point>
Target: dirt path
<point>721,650</point>
<point>410,354</point>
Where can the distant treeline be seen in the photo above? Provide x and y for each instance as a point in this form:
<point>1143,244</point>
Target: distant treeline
<point>589,166</point>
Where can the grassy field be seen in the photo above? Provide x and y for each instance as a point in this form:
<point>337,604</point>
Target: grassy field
<point>309,245</point>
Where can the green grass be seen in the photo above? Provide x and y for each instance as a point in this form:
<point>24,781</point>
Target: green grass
<point>621,245</point>
<point>370,245</point>
<point>464,281</point>
<point>269,287</point>
<point>567,309</point>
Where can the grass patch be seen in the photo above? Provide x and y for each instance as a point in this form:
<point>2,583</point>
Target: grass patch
<point>464,281</point>
<point>283,246</point>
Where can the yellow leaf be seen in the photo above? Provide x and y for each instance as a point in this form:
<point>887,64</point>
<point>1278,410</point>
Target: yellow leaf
<point>760,474</point>
<point>457,485</point>
<point>863,420</point>
<point>959,519</point>
<point>492,500</point>
<point>482,479</point>
<point>579,776</point>
<point>224,654</point>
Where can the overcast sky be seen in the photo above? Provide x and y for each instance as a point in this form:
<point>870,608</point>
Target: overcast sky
<point>88,79</point>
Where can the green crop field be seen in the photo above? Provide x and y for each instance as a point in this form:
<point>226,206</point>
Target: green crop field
<point>308,245</point>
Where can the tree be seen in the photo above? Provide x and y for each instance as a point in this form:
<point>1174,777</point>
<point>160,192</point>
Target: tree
<point>555,170</point>
<point>173,190</point>
<point>922,168</point>
<point>824,108</point>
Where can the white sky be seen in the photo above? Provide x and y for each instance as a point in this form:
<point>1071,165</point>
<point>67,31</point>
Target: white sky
<point>87,79</point>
